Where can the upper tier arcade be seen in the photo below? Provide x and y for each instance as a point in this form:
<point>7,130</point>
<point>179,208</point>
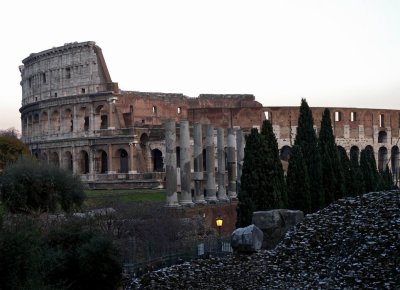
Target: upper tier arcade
<point>72,69</point>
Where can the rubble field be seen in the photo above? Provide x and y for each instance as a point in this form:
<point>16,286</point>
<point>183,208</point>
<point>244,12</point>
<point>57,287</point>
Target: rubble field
<point>352,244</point>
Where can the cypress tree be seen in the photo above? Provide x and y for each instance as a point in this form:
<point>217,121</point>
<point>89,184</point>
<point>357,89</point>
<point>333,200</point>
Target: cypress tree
<point>348,176</point>
<point>387,179</point>
<point>272,168</point>
<point>306,139</point>
<point>332,175</point>
<point>368,169</point>
<point>250,179</point>
<point>357,177</point>
<point>298,185</point>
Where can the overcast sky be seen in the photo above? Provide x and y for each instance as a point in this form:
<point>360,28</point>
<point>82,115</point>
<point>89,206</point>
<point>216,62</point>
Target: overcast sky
<point>333,53</point>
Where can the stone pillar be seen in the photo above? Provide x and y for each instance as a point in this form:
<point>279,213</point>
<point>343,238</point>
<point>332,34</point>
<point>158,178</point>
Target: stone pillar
<point>198,164</point>
<point>110,160</point>
<point>210,165</point>
<point>131,156</point>
<point>221,166</point>
<point>240,156</point>
<point>170,163</point>
<point>92,152</point>
<point>74,161</point>
<point>231,164</point>
<point>75,122</point>
<point>111,102</point>
<point>91,119</point>
<point>186,195</point>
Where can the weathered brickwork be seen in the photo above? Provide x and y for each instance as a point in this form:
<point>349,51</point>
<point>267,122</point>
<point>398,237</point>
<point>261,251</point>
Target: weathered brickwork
<point>75,117</point>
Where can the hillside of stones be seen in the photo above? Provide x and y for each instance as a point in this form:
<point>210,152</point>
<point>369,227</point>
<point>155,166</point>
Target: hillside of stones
<point>352,244</point>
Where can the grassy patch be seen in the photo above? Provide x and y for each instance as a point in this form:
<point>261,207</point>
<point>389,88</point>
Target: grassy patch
<point>101,198</point>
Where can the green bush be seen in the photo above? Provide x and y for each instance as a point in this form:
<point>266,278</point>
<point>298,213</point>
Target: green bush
<point>31,187</point>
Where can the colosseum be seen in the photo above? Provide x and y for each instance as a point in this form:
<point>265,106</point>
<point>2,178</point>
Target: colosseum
<point>74,116</point>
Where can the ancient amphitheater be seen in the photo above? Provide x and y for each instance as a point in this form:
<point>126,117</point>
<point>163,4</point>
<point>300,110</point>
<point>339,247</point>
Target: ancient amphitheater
<point>74,116</point>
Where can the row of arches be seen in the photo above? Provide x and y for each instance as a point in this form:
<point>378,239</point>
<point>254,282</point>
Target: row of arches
<point>65,120</point>
<point>383,155</point>
<point>82,163</point>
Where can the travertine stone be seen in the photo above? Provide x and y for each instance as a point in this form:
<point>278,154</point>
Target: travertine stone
<point>210,165</point>
<point>221,166</point>
<point>240,155</point>
<point>186,195</point>
<point>231,164</point>
<point>198,164</point>
<point>170,163</point>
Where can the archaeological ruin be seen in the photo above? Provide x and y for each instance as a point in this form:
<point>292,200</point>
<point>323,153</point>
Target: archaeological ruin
<point>74,116</point>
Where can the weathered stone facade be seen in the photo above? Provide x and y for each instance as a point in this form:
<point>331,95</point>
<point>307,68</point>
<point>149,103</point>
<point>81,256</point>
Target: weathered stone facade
<point>75,117</point>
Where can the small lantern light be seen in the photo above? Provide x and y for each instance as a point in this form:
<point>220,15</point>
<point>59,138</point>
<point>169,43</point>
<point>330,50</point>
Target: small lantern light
<point>219,221</point>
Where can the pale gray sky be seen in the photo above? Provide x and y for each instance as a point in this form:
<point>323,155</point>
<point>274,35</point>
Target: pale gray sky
<point>333,53</point>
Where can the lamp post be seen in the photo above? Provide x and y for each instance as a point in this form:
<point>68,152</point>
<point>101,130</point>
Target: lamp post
<point>219,221</point>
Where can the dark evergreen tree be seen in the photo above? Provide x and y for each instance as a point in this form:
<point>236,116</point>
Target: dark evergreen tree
<point>368,169</point>
<point>386,179</point>
<point>348,176</point>
<point>357,177</point>
<point>306,139</point>
<point>250,179</point>
<point>272,169</point>
<point>298,185</point>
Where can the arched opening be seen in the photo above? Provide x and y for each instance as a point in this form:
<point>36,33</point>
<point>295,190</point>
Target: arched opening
<point>103,162</point>
<point>144,138</point>
<point>83,162</point>
<point>101,117</point>
<point>55,122</point>
<point>382,158</point>
<point>44,158</point>
<point>395,163</point>
<point>67,122</point>
<point>178,157</point>
<point>54,159</point>
<point>123,161</point>
<point>44,123</point>
<point>382,137</point>
<point>68,161</point>
<point>36,129</point>
<point>285,153</point>
<point>83,119</point>
<point>157,160</point>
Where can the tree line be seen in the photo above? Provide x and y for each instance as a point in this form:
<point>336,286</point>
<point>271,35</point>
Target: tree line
<point>317,175</point>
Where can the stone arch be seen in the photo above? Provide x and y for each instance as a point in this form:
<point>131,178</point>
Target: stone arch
<point>44,158</point>
<point>382,158</point>
<point>285,153</point>
<point>123,157</point>
<point>55,121</point>
<point>55,159</point>
<point>68,161</point>
<point>29,124</point>
<point>35,125</point>
<point>157,158</point>
<point>101,117</point>
<point>83,119</point>
<point>67,121</point>
<point>44,123</point>
<point>144,139</point>
<point>382,137</point>
<point>101,161</point>
<point>83,162</point>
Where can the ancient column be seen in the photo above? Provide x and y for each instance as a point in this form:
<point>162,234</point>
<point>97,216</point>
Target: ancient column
<point>110,160</point>
<point>240,156</point>
<point>231,164</point>
<point>131,158</point>
<point>210,165</point>
<point>198,164</point>
<point>221,166</point>
<point>186,194</point>
<point>170,163</point>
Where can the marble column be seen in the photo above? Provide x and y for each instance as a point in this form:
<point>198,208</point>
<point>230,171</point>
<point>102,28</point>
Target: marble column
<point>240,156</point>
<point>231,164</point>
<point>198,176</point>
<point>170,163</point>
<point>221,165</point>
<point>210,165</point>
<point>186,194</point>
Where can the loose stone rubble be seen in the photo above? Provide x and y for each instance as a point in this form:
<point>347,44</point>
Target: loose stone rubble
<point>352,244</point>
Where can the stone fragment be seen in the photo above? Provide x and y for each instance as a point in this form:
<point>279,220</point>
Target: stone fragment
<point>248,239</point>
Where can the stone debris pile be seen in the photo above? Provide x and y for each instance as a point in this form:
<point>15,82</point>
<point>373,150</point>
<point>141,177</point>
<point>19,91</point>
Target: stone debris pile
<point>351,244</point>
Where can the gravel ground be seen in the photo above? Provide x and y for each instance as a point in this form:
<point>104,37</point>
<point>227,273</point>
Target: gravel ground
<point>351,244</point>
